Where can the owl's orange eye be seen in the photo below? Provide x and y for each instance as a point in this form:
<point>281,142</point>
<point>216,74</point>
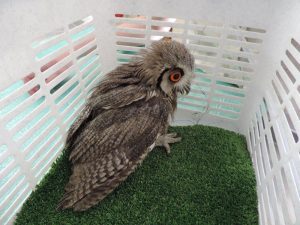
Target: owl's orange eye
<point>175,76</point>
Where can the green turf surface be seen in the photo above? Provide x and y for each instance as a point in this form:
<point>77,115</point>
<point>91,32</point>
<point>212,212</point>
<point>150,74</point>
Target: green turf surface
<point>208,179</point>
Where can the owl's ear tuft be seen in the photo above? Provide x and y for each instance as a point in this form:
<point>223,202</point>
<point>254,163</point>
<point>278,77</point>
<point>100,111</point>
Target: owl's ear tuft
<point>167,39</point>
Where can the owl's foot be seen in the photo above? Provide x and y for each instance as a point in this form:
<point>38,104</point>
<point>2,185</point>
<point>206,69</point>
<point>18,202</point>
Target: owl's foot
<point>165,140</point>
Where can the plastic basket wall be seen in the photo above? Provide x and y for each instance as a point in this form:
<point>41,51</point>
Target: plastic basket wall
<point>247,80</point>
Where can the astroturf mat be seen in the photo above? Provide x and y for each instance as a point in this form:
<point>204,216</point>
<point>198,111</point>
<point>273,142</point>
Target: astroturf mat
<point>207,179</point>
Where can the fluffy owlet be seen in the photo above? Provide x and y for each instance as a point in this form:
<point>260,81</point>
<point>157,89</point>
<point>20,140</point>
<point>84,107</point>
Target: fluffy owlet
<point>126,116</point>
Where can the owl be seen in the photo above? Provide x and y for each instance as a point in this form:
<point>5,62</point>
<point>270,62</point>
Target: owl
<point>126,116</point>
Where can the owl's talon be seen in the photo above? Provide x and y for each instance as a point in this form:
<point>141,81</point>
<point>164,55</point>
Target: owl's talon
<point>165,140</point>
<point>172,135</point>
<point>167,148</point>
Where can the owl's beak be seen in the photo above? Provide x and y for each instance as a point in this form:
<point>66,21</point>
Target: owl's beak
<point>185,90</point>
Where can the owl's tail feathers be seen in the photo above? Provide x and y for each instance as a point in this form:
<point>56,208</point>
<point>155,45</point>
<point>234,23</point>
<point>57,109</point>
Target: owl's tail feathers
<point>66,202</point>
<point>87,193</point>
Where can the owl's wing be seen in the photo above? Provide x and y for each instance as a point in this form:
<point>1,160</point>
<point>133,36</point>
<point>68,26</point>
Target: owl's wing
<point>110,93</point>
<point>110,148</point>
<point>83,118</point>
<point>118,97</point>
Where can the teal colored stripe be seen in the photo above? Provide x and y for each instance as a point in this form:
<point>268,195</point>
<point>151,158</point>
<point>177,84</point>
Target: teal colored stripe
<point>38,147</point>
<point>197,95</point>
<point>90,91</point>
<point>53,154</point>
<point>200,88</point>
<point>21,133</point>
<point>63,95</point>
<point>228,100</point>
<point>5,179</point>
<point>233,93</point>
<point>223,114</point>
<point>89,61</point>
<point>203,79</point>
<point>68,103</point>
<point>3,148</point>
<point>14,198</point>
<point>127,52</point>
<point>91,70</point>
<point>10,190</point>
<point>225,107</point>
<point>61,83</point>
<point>123,60</point>
<point>227,84</point>
<point>11,89</point>
<point>82,33</point>
<point>5,162</point>
<point>16,209</point>
<point>12,123</point>
<point>191,107</point>
<point>51,50</point>
<point>74,110</point>
<point>44,41</point>
<point>199,71</point>
<point>38,132</point>
<point>13,104</point>
<point>92,79</point>
<point>71,113</point>
<point>193,101</point>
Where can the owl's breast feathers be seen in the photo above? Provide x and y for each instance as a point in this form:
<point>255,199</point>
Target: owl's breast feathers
<point>111,136</point>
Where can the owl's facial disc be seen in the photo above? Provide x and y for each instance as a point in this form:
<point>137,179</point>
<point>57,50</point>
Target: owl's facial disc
<point>174,80</point>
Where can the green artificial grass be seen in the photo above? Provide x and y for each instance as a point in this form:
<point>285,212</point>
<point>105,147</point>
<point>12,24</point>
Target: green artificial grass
<point>208,179</point>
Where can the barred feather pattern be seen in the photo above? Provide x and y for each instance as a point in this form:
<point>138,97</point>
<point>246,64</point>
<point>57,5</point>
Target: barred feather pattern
<point>116,130</point>
<point>112,138</point>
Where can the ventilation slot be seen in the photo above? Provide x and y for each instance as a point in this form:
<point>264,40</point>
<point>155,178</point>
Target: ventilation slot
<point>131,34</point>
<point>293,60</point>
<point>49,51</point>
<point>262,159</point>
<point>166,27</point>
<point>266,109</point>
<point>65,59</point>
<point>258,127</point>
<point>55,61</point>
<point>282,82</point>
<point>277,92</point>
<point>25,115</point>
<point>225,115</point>
<point>288,197</point>
<point>296,107</point>
<point>274,138</point>
<point>250,141</point>
<point>296,175</point>
<point>79,23</point>
<point>17,95</point>
<point>48,38</point>
<point>262,117</point>
<point>288,72</point>
<point>228,73</point>
<point>291,125</point>
<point>268,151</point>
<point>275,143</point>
<point>252,138</point>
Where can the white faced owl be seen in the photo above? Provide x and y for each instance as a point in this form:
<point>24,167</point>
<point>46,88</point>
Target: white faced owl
<point>126,116</point>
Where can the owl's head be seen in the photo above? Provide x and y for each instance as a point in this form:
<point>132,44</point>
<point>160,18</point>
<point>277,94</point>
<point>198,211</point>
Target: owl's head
<point>169,66</point>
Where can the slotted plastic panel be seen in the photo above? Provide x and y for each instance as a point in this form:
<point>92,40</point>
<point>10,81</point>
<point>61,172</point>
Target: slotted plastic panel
<point>274,143</point>
<point>247,80</point>
<point>36,111</point>
<point>225,56</point>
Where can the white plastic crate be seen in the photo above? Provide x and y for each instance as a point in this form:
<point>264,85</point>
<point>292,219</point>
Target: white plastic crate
<point>248,80</point>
